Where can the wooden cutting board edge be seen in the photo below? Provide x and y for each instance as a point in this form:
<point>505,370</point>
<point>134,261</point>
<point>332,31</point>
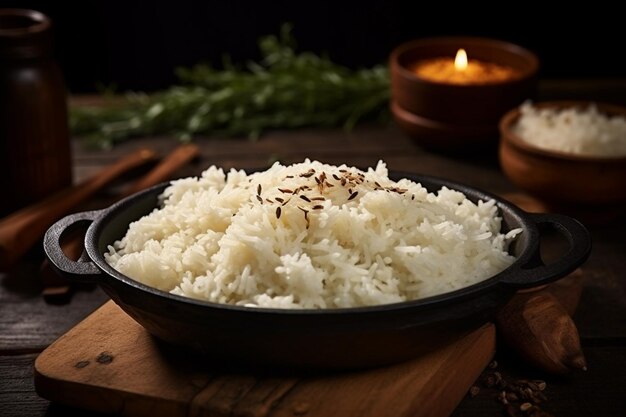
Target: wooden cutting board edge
<point>434,389</point>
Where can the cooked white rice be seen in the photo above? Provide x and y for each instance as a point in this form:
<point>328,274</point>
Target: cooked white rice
<point>311,235</point>
<point>573,130</point>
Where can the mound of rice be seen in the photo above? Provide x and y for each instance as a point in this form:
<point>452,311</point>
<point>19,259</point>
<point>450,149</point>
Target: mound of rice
<point>577,131</point>
<point>311,235</point>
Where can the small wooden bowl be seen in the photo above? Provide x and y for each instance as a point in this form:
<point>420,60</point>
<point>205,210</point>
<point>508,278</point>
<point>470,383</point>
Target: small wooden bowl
<point>563,178</point>
<point>444,115</point>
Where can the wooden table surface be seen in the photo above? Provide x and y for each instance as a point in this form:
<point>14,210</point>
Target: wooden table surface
<point>28,324</point>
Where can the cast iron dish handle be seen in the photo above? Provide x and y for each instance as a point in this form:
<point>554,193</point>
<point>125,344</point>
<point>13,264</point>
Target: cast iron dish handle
<point>535,272</point>
<point>81,270</point>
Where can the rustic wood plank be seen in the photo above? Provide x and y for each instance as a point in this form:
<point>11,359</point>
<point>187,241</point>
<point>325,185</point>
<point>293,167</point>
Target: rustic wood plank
<point>361,140</point>
<point>28,324</point>
<point>361,148</point>
<point>17,392</point>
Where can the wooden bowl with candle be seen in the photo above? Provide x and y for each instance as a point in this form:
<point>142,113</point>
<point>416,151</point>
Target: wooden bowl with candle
<point>449,93</point>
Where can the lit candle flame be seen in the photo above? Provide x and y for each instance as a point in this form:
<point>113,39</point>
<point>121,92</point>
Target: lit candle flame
<point>460,61</point>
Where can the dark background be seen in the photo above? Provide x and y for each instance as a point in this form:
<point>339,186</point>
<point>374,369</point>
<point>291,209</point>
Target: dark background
<point>136,45</point>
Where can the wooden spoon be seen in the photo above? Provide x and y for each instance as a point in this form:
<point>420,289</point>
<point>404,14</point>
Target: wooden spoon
<point>541,331</point>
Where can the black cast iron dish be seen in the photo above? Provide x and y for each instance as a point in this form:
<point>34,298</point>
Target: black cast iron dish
<point>338,338</point>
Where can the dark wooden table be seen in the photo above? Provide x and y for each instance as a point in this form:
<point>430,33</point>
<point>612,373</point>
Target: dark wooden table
<point>28,324</point>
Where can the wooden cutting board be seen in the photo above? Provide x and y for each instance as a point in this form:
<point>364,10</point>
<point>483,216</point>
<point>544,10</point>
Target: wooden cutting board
<point>109,363</point>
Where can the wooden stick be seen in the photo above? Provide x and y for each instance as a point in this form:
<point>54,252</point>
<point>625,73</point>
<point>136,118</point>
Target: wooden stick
<point>21,230</point>
<point>56,288</point>
<point>175,160</point>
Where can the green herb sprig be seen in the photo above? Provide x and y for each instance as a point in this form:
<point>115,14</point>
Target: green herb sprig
<point>284,90</point>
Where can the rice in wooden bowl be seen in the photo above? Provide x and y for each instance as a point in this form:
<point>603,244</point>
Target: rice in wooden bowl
<point>570,154</point>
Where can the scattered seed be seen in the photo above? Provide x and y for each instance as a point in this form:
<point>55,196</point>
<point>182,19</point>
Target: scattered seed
<point>278,212</point>
<point>307,175</point>
<point>258,197</point>
<point>354,194</point>
<point>377,184</point>
<point>516,395</point>
<point>318,199</point>
<point>336,177</point>
<point>502,397</point>
<point>269,200</point>
<point>317,180</point>
<point>343,182</point>
<point>525,406</point>
<point>288,200</point>
<point>289,176</point>
<point>258,189</point>
<point>280,200</point>
<point>318,207</point>
<point>328,184</point>
<point>305,198</point>
<point>343,170</point>
<point>412,196</point>
<point>512,397</point>
<point>285,190</point>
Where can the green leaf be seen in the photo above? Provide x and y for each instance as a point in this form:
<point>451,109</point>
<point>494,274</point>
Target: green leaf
<point>283,90</point>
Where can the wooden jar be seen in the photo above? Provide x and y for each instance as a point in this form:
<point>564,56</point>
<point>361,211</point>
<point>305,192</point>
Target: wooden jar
<point>34,138</point>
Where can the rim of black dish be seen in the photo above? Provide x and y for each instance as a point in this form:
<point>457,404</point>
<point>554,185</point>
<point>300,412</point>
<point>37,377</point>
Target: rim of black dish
<point>94,231</point>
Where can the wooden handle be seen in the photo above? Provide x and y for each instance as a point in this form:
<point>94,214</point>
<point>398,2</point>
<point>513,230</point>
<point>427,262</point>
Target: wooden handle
<point>164,170</point>
<point>20,230</point>
<point>541,331</point>
<point>568,290</point>
<point>56,288</point>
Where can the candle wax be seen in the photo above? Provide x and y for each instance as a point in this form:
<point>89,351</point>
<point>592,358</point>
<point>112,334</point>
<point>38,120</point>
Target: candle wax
<point>477,72</point>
